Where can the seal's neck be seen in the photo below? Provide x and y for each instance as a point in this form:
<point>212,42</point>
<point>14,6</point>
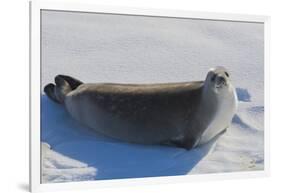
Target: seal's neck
<point>225,109</point>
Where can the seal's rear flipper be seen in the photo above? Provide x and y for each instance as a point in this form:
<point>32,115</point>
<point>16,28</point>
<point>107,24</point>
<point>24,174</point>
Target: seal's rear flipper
<point>62,88</point>
<point>58,92</point>
<point>49,89</point>
<point>73,82</point>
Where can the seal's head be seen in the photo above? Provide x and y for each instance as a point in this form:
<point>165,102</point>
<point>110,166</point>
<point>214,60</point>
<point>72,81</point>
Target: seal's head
<point>219,103</point>
<point>218,80</point>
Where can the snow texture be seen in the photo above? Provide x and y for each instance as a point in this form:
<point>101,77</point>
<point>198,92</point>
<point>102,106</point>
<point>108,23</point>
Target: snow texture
<point>58,168</point>
<point>138,49</point>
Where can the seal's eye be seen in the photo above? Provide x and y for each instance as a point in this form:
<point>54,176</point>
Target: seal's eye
<point>213,78</point>
<point>226,74</point>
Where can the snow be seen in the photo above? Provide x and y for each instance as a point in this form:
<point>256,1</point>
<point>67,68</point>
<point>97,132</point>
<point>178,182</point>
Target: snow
<point>137,49</point>
<point>58,168</point>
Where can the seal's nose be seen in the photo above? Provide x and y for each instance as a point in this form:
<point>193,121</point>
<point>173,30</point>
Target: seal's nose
<point>221,80</point>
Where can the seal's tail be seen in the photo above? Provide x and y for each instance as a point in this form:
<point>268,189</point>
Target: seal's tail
<point>64,84</point>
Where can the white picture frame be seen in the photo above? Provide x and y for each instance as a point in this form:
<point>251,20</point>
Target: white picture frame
<point>37,6</point>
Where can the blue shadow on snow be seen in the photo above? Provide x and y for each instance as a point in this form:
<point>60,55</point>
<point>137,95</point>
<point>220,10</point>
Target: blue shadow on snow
<point>112,159</point>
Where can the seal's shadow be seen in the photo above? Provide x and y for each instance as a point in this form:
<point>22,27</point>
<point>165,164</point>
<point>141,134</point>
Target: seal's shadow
<point>111,158</point>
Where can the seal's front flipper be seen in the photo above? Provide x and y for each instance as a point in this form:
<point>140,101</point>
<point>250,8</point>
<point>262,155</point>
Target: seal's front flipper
<point>49,89</point>
<point>187,144</point>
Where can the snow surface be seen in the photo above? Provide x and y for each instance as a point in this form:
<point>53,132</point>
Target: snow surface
<point>59,168</point>
<point>137,49</point>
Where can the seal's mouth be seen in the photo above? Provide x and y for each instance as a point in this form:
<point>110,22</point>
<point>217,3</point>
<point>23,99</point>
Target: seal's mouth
<point>220,86</point>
